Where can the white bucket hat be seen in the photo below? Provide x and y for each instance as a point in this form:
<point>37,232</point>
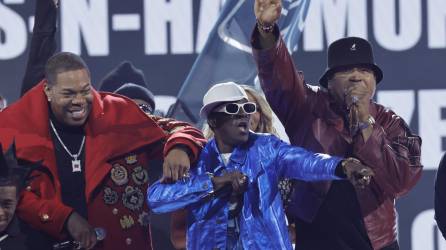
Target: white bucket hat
<point>220,93</point>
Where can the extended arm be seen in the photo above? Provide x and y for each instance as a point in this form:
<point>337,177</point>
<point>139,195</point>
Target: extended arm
<point>43,43</point>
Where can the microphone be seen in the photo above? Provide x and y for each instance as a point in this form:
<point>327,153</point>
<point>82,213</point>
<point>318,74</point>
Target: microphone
<point>100,232</point>
<point>353,116</point>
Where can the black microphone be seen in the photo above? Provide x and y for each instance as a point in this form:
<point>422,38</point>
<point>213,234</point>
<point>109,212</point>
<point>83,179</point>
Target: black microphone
<point>100,232</point>
<point>352,109</point>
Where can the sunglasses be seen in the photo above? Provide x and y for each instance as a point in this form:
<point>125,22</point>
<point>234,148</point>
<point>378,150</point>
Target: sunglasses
<point>145,108</point>
<point>234,108</point>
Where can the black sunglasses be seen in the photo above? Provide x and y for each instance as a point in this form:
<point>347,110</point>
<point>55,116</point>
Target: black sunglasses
<point>234,108</point>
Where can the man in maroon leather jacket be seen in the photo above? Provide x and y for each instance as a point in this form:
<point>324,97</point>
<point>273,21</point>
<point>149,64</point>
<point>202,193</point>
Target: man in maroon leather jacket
<point>339,119</point>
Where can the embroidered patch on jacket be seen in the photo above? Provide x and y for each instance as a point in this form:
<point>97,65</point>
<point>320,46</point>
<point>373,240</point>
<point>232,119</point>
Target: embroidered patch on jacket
<point>119,174</point>
<point>139,175</point>
<point>110,196</point>
<point>133,198</point>
<point>131,159</point>
<point>144,219</point>
<point>353,47</point>
<point>126,221</point>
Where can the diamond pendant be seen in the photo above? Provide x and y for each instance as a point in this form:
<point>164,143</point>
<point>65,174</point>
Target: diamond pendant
<point>76,165</point>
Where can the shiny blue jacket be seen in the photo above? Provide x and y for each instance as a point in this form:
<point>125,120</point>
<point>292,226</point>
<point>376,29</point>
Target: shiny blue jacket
<point>264,159</point>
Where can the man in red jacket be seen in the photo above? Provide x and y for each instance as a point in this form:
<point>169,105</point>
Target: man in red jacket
<point>96,148</point>
<point>339,119</point>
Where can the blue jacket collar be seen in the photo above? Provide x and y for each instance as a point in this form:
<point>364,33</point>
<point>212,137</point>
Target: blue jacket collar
<point>238,156</point>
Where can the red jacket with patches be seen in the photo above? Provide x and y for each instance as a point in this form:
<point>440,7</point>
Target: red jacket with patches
<point>115,129</point>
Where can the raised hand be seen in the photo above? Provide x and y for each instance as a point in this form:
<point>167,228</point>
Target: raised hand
<point>267,11</point>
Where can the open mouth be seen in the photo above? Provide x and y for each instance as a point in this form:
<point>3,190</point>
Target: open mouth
<point>78,113</point>
<point>243,125</point>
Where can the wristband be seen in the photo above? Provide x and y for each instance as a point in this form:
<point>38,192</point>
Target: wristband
<point>370,122</point>
<point>267,28</point>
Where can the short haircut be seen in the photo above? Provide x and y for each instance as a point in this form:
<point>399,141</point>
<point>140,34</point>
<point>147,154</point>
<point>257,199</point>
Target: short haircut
<point>63,62</point>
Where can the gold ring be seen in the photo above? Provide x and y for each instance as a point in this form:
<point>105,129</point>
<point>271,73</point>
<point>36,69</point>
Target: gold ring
<point>242,180</point>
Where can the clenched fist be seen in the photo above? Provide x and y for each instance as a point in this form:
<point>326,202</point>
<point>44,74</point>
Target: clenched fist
<point>359,174</point>
<point>81,231</point>
<point>235,179</point>
<point>267,11</point>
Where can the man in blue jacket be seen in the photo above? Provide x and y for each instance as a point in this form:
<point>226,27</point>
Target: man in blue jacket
<point>232,193</point>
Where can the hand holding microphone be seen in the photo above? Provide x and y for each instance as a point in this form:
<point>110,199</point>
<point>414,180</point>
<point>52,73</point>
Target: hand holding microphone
<point>82,232</point>
<point>235,182</point>
<point>100,232</point>
<point>357,100</point>
<point>353,116</point>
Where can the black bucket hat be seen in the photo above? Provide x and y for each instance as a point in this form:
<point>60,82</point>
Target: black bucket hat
<point>135,91</point>
<point>348,52</point>
<point>124,73</point>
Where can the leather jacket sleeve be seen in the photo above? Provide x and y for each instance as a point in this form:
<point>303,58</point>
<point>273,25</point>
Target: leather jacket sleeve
<point>440,196</point>
<point>283,85</point>
<point>393,152</point>
<point>181,133</point>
